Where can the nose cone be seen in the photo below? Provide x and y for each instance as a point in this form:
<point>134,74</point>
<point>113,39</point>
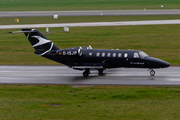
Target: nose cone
<point>158,63</point>
<point>165,64</point>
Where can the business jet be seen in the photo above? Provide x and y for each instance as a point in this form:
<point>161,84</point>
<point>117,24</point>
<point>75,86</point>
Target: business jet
<point>86,58</point>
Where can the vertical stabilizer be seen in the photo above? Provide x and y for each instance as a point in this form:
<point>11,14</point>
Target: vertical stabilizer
<point>39,42</point>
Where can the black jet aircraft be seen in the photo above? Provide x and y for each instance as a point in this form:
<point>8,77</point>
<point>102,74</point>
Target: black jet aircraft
<point>86,58</point>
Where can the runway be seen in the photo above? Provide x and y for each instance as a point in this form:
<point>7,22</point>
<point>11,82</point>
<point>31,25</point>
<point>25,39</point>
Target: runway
<point>65,75</point>
<point>88,13</point>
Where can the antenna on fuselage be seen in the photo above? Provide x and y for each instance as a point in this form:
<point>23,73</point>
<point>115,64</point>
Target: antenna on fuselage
<point>90,47</point>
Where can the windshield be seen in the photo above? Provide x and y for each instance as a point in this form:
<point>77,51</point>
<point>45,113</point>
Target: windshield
<point>143,54</point>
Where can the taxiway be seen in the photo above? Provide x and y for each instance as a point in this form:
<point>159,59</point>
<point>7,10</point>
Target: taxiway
<point>91,24</point>
<point>88,13</point>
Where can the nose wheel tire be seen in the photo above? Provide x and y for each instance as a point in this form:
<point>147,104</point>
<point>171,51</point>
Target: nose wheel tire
<point>152,72</point>
<point>86,73</point>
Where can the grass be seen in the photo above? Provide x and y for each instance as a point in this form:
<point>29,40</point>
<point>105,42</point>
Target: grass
<point>63,102</point>
<point>50,5</point>
<point>76,19</point>
<point>161,41</point>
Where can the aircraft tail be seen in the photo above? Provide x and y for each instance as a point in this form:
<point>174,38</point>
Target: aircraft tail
<point>39,42</point>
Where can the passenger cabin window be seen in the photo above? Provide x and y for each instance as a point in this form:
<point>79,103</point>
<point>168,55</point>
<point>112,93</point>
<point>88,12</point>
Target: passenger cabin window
<point>97,54</point>
<point>109,54</point>
<point>90,53</point>
<point>125,55</point>
<point>136,55</point>
<point>103,54</point>
<point>119,54</point>
<point>114,54</point>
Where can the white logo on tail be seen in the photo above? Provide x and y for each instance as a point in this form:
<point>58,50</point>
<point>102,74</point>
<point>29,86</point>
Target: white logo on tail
<point>41,41</point>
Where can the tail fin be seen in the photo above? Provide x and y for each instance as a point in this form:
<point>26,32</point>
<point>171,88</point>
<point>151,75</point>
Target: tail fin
<point>40,43</point>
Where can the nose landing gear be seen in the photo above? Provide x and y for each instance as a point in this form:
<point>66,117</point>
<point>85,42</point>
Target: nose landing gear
<point>152,72</point>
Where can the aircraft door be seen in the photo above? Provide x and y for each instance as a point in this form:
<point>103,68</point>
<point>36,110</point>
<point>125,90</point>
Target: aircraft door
<point>127,58</point>
<point>124,59</point>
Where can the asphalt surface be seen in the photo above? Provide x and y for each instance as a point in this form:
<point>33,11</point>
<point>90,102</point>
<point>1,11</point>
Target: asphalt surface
<point>90,24</point>
<point>89,13</point>
<point>65,75</point>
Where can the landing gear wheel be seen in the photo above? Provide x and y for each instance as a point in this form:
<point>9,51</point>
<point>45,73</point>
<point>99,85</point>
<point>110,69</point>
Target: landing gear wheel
<point>100,71</point>
<point>86,73</point>
<point>152,72</point>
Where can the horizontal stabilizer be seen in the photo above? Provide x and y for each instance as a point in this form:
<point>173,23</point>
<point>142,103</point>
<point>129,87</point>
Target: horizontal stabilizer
<point>21,31</point>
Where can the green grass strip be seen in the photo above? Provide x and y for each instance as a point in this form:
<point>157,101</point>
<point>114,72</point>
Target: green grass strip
<point>63,102</point>
<point>56,5</point>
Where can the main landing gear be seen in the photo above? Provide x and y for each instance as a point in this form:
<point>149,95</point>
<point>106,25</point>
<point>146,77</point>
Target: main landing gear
<point>86,72</point>
<point>152,72</point>
<point>100,71</point>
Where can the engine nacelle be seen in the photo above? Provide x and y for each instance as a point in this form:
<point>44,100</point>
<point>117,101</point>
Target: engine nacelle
<point>79,52</point>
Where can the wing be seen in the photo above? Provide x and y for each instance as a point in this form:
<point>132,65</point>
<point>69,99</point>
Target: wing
<point>87,67</point>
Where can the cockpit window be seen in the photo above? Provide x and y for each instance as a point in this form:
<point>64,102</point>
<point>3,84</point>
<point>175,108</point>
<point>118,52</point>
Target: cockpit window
<point>136,55</point>
<point>143,54</point>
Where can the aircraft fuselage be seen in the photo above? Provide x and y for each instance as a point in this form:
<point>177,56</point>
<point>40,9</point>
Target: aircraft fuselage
<point>105,58</point>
